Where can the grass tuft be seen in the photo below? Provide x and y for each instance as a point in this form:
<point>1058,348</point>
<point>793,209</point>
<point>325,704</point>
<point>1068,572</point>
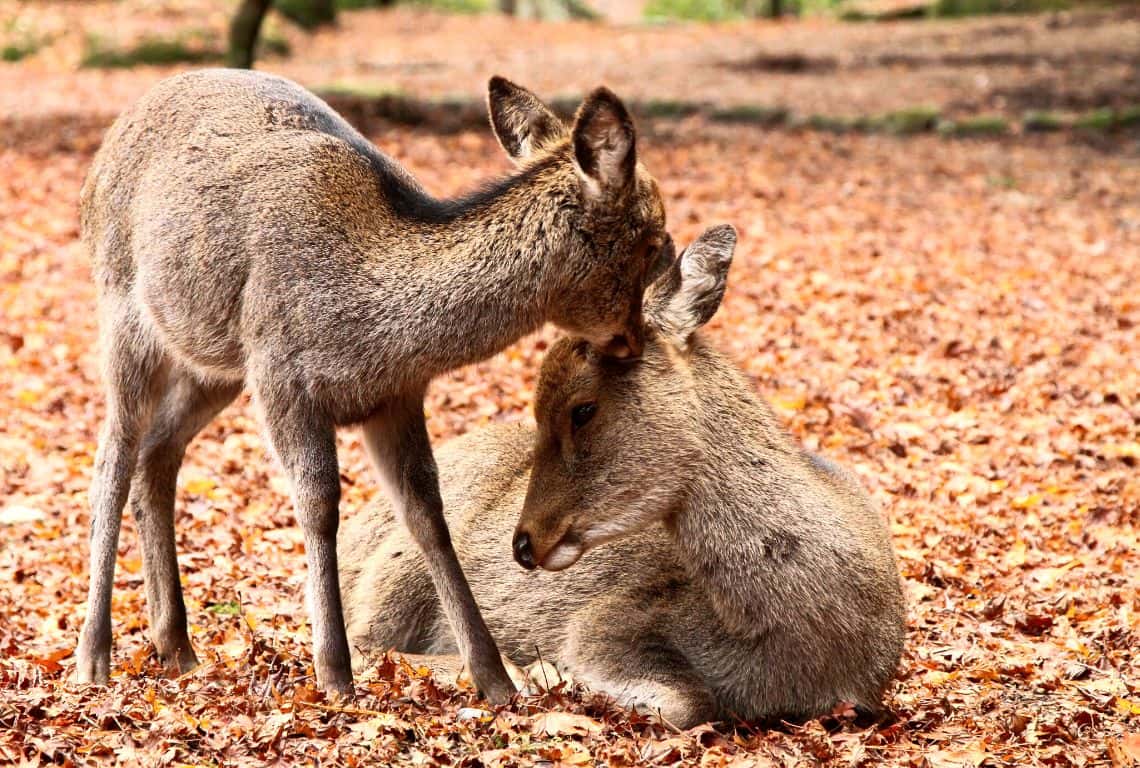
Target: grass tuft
<point>751,113</point>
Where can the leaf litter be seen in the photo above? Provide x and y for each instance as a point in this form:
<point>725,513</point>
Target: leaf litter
<point>968,348</point>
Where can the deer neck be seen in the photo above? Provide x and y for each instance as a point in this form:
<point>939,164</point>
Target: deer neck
<point>728,526</point>
<point>488,268</point>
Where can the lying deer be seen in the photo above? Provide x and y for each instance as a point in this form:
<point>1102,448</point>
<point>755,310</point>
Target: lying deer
<point>244,234</point>
<point>743,576</point>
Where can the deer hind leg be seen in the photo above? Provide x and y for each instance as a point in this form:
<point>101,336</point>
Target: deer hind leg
<point>617,649</point>
<point>390,603</point>
<point>305,443</point>
<point>186,407</point>
<point>134,371</point>
<point>398,442</point>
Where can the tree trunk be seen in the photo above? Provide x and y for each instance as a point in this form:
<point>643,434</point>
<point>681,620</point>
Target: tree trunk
<point>776,9</point>
<point>244,31</point>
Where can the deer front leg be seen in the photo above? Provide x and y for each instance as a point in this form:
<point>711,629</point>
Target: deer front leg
<point>306,446</point>
<point>398,442</point>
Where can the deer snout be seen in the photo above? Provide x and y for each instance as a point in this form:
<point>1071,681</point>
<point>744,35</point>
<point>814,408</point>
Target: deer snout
<point>524,554</point>
<point>549,553</point>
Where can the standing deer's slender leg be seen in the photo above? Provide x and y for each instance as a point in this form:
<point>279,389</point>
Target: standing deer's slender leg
<point>133,371</point>
<point>305,442</point>
<point>186,408</point>
<point>398,442</point>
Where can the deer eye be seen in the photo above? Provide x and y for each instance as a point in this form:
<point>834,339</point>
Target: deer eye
<point>581,414</point>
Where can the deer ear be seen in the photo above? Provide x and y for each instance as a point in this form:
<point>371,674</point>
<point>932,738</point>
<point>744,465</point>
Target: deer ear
<point>521,122</point>
<point>604,143</point>
<point>689,293</point>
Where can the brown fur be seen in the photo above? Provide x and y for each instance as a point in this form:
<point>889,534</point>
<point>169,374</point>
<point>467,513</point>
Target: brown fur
<point>742,576</point>
<point>243,233</point>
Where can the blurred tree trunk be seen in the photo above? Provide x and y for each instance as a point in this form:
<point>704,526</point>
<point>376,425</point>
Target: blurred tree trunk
<point>244,31</point>
<point>776,8</point>
<point>548,10</point>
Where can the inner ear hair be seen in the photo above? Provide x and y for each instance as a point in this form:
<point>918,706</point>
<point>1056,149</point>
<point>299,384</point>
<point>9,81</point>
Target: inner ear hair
<point>521,122</point>
<point>605,141</point>
<point>690,293</point>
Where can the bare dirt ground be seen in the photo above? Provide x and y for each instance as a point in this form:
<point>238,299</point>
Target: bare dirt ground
<point>1002,65</point>
<point>955,321</point>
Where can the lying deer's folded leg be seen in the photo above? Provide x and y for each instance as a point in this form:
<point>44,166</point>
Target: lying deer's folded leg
<point>628,657</point>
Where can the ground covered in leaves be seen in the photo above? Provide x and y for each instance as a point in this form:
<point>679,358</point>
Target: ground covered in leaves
<point>955,321</point>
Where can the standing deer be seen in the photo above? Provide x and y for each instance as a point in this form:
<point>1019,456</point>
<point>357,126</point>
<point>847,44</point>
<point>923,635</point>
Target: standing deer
<point>243,233</point>
<point>743,577</point>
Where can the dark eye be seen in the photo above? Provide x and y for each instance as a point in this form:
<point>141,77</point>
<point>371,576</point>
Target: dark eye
<point>581,414</point>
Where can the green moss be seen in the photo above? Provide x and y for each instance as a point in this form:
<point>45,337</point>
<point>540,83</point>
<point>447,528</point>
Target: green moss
<point>1001,182</point>
<point>454,6</point>
<point>229,608</point>
<point>193,48</point>
<point>750,113</point>
<point>1129,116</point>
<point>19,50</point>
<point>905,122</point>
<point>359,90</point>
<point>984,7</point>
<point>1097,120</point>
<point>305,13</point>
<point>666,108</point>
<point>830,123</point>
<point>984,125</point>
<point>1041,122</point>
<point>693,10</point>
<point>19,41</point>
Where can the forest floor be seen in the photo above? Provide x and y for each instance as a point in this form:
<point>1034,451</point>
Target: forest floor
<point>956,321</point>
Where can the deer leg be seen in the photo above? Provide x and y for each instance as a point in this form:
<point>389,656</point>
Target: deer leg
<point>186,408</point>
<point>133,371</point>
<point>398,442</point>
<point>305,443</point>
<point>617,648</point>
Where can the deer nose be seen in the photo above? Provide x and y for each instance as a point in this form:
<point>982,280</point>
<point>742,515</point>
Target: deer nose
<point>524,555</point>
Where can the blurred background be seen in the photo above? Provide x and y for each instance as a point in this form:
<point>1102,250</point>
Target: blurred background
<point>901,66</point>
